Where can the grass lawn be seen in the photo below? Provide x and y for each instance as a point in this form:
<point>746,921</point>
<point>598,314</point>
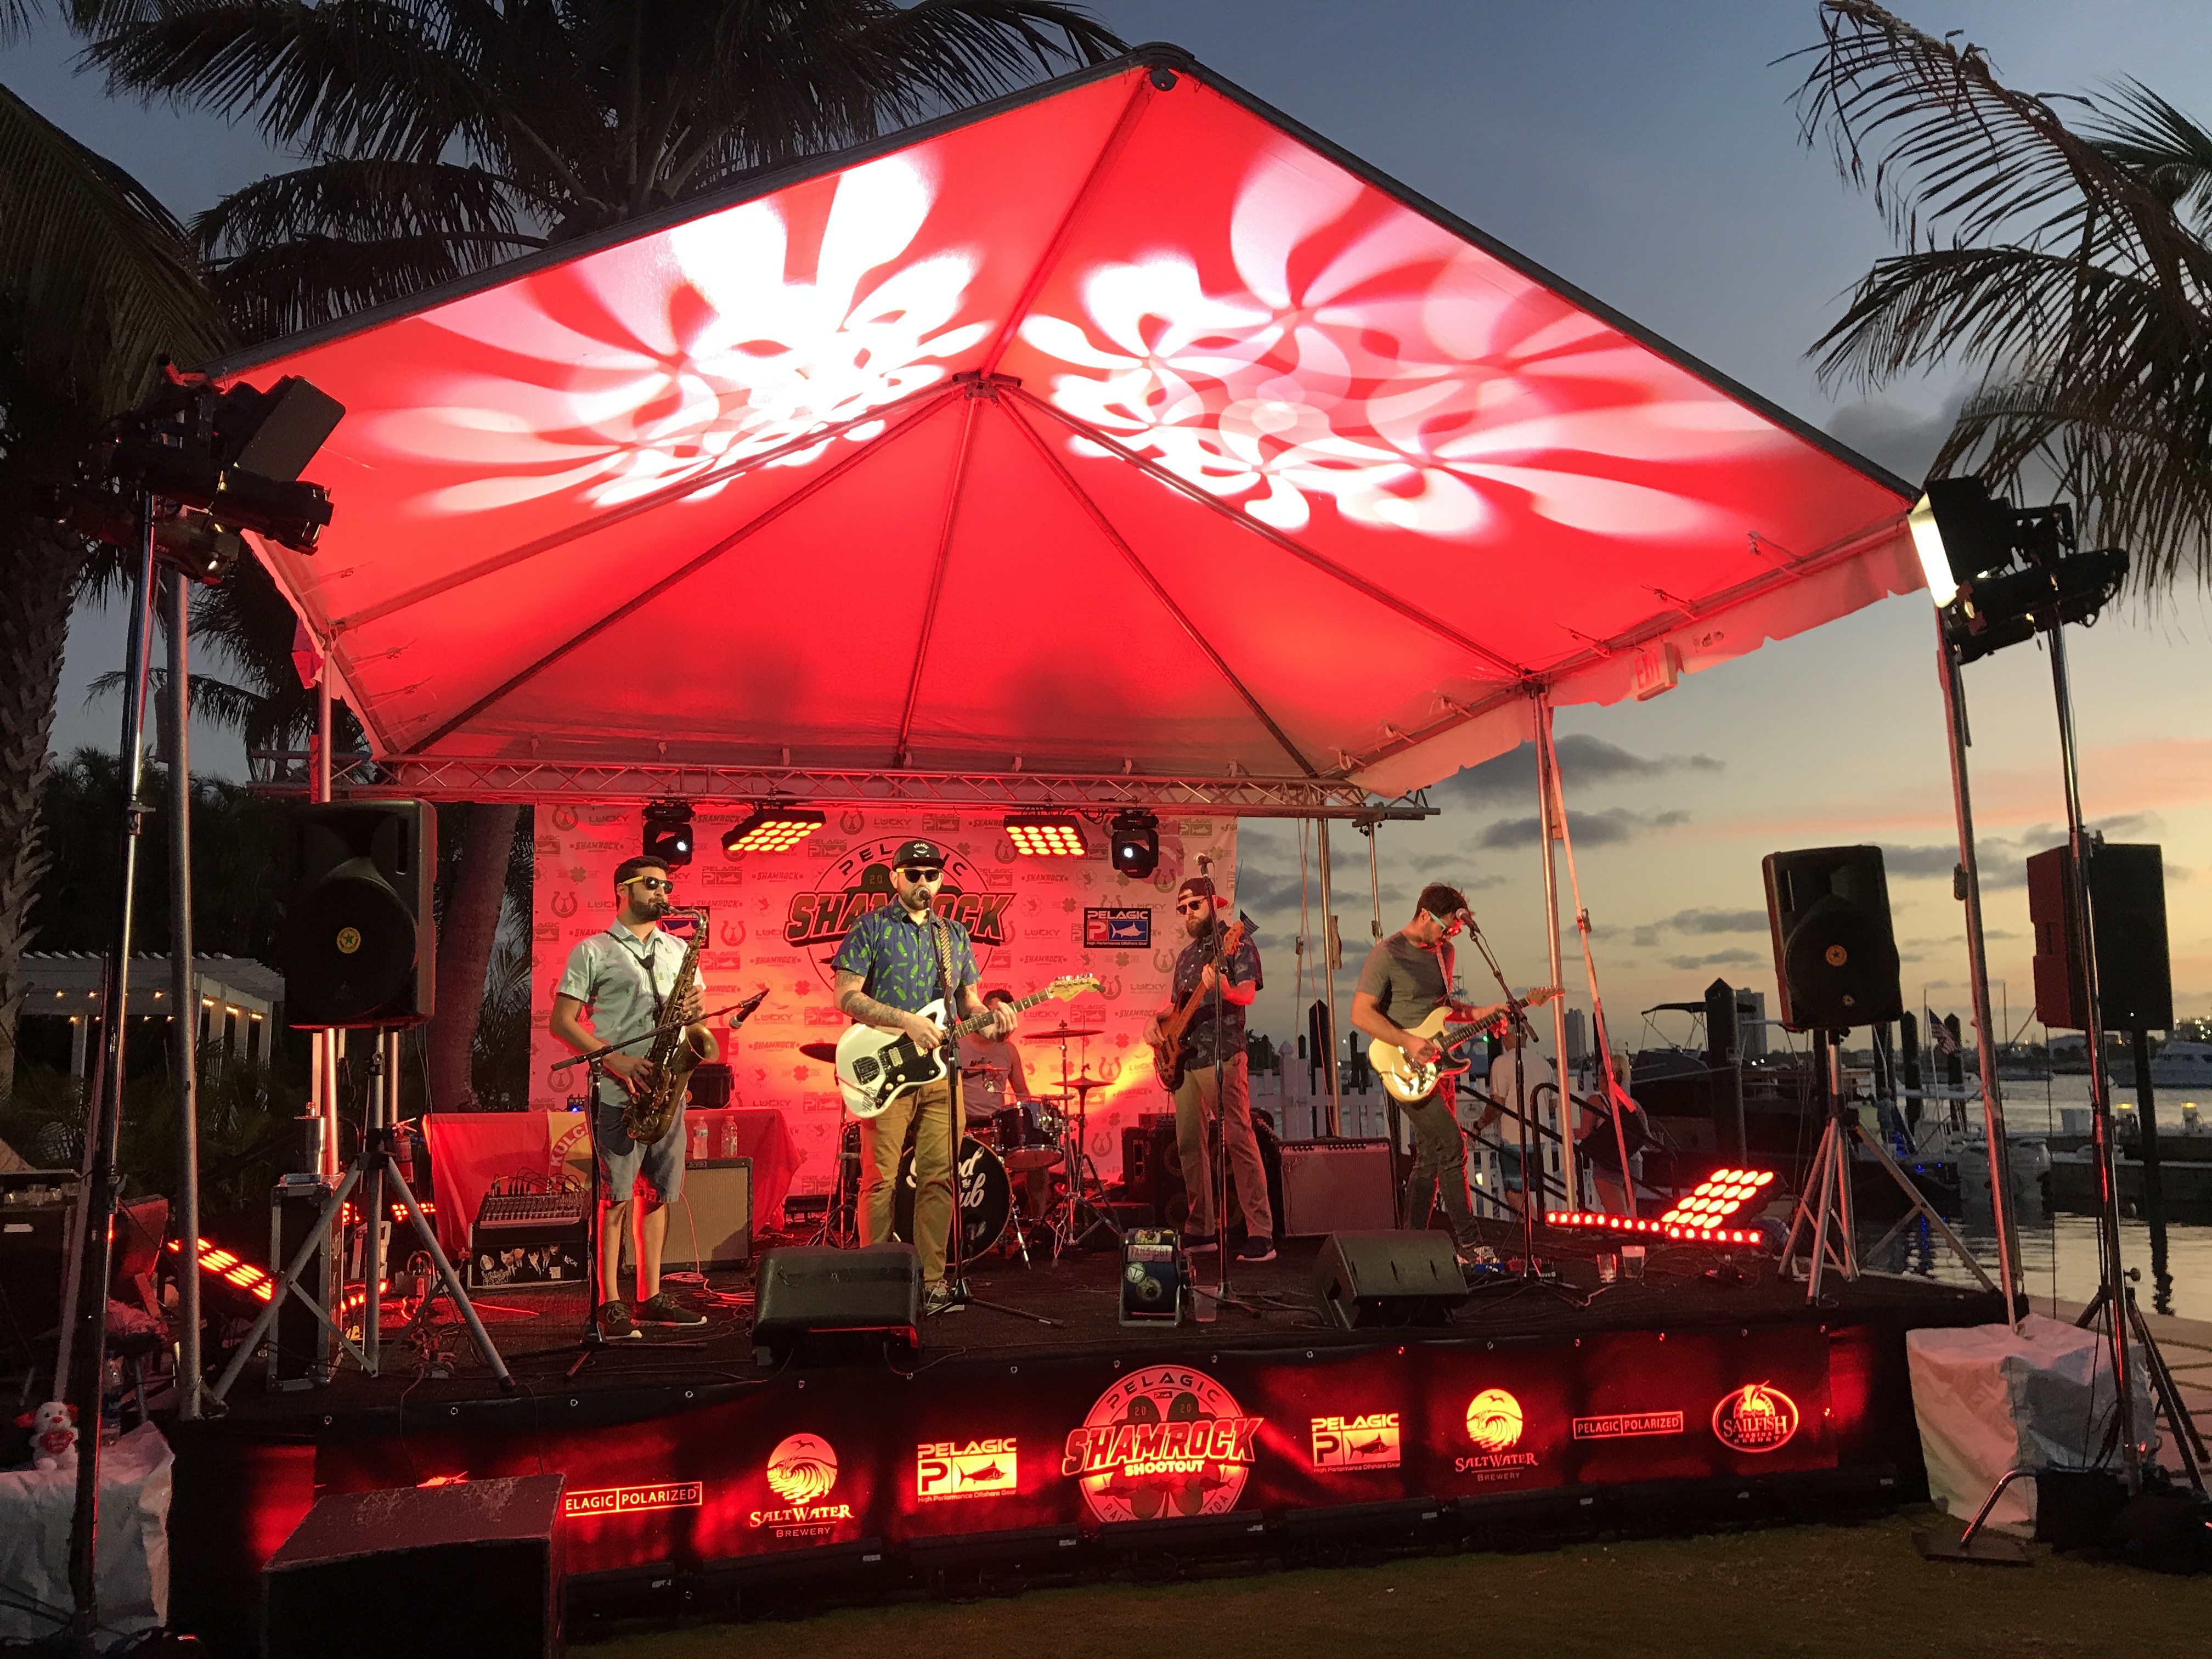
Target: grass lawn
<point>1812,1591</point>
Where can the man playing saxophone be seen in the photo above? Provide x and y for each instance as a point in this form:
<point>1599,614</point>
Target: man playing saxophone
<point>623,979</point>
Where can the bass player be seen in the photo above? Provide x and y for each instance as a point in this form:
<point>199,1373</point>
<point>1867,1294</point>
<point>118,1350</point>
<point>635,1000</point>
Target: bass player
<point>1215,1076</point>
<point>892,963</point>
<point>620,979</point>
<point>1406,978</point>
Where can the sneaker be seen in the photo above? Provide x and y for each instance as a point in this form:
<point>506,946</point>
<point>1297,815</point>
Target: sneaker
<point>1256,1249</point>
<point>1199,1243</point>
<point>615,1321</point>
<point>662,1309</point>
<point>941,1299</point>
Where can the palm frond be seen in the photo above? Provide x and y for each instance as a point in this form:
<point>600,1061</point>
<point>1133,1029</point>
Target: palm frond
<point>295,284</point>
<point>94,269</point>
<point>2170,150</point>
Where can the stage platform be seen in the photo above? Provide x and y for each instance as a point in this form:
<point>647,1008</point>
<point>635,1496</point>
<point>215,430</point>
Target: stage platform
<point>1706,1392</point>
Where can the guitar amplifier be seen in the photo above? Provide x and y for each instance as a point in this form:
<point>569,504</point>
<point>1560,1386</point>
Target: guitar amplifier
<point>711,1225</point>
<point>1337,1186</point>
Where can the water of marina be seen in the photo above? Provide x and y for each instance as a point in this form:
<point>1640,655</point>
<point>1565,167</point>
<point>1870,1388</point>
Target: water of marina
<point>2058,1253</point>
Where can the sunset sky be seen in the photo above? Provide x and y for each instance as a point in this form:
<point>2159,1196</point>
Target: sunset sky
<point>1647,153</point>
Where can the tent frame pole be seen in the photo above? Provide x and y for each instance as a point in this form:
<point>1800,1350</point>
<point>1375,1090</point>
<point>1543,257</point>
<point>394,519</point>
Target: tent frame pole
<point>1552,821</point>
<point>183,1048</point>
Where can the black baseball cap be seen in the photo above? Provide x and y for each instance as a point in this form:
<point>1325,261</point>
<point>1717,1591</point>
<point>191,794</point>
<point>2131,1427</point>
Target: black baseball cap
<point>918,852</point>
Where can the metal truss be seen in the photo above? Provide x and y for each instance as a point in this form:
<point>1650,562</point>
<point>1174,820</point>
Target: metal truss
<point>286,772</point>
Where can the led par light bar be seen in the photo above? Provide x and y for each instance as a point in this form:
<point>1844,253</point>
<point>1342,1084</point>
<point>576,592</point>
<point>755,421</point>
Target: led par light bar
<point>771,830</point>
<point>1700,1218</point>
<point>1040,835</point>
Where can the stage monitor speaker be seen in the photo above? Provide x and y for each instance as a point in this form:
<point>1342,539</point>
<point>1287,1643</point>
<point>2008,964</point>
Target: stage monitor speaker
<point>470,1571</point>
<point>358,948</point>
<point>1334,1186</point>
<point>1393,1277</point>
<point>2127,901</point>
<point>1835,956</point>
<point>712,1227</point>
<point>813,1303</point>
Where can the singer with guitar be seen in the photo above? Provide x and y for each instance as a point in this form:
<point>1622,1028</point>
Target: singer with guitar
<point>621,980</point>
<point>1406,979</point>
<point>1198,1042</point>
<point>893,963</point>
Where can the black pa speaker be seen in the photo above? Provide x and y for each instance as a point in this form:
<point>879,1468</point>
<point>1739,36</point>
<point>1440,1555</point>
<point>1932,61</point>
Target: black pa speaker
<point>2127,903</point>
<point>1389,1279</point>
<point>470,1571</point>
<point>1835,956</point>
<point>818,1303</point>
<point>358,946</point>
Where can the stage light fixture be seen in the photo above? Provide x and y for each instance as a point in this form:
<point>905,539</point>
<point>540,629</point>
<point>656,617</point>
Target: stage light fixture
<point>1042,835</point>
<point>1135,838</point>
<point>770,829</point>
<point>1998,572</point>
<point>668,832</point>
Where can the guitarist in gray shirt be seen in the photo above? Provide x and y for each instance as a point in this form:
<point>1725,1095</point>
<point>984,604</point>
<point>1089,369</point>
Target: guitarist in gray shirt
<point>1405,979</point>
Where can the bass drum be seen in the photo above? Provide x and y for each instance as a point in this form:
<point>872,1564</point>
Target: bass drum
<point>987,1198</point>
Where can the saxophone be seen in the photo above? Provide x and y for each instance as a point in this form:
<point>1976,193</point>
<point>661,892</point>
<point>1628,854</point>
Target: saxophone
<point>651,1115</point>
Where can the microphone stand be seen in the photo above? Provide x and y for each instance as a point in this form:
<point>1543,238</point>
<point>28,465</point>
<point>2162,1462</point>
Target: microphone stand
<point>1532,1169</point>
<point>743,1011</point>
<point>1206,1303</point>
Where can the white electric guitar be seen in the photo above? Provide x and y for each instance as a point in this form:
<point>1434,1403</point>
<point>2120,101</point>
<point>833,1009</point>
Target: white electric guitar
<point>1410,1083</point>
<point>875,1067</point>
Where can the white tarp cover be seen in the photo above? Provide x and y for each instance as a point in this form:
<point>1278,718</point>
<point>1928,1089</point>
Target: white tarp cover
<point>1989,1400</point>
<point>35,1508</point>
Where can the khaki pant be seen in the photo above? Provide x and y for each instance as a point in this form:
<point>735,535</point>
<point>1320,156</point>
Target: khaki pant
<point>1199,1098</point>
<point>928,1112</point>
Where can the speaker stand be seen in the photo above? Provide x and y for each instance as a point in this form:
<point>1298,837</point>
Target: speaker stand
<point>372,1166</point>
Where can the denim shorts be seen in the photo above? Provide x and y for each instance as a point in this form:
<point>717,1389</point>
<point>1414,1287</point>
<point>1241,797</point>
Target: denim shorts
<point>623,1161</point>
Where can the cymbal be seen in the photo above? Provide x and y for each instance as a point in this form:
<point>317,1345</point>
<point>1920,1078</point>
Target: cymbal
<point>1085,1084</point>
<point>1060,1031</point>
<point>819,1051</point>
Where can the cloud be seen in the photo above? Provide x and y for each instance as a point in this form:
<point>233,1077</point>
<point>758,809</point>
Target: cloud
<point>1583,760</point>
<point>1718,921</point>
<point>1718,959</point>
<point>2002,861</point>
<point>1903,442</point>
<point>1607,828</point>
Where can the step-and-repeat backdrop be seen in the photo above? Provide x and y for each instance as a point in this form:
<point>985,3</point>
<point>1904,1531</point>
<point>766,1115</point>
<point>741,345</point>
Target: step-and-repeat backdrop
<point>774,921</point>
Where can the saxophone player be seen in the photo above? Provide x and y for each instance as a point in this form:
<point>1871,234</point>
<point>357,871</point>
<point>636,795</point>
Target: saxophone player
<point>622,978</point>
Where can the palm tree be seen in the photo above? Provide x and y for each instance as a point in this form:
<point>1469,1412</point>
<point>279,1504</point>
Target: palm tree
<point>444,137</point>
<point>2068,262</point>
<point>97,283</point>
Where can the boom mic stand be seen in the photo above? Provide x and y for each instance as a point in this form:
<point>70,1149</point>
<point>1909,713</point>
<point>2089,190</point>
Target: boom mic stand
<point>1532,1168</point>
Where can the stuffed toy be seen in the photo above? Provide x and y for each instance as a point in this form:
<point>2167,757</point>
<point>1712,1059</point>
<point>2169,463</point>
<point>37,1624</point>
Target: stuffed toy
<point>53,1437</point>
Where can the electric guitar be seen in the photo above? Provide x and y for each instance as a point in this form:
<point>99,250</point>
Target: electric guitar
<point>1408,1082</point>
<point>875,1067</point>
<point>1167,1047</point>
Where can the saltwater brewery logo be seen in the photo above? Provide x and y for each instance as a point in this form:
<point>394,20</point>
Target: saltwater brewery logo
<point>1494,1424</point>
<point>1366,1442</point>
<point>974,1468</point>
<point>1755,1418</point>
<point>1163,1441</point>
<point>802,1470</point>
<point>861,881</point>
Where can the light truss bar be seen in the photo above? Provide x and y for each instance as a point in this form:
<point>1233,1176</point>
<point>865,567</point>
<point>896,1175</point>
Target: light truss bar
<point>285,771</point>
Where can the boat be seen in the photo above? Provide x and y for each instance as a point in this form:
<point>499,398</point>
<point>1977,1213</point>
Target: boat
<point>2181,1065</point>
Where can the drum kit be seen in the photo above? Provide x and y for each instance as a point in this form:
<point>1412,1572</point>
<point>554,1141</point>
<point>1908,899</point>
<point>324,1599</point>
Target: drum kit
<point>1010,1144</point>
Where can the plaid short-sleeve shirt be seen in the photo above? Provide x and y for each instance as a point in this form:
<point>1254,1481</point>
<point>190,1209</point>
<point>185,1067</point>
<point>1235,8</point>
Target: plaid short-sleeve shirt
<point>897,958</point>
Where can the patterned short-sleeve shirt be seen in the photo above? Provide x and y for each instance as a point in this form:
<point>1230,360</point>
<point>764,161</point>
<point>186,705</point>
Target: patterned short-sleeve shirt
<point>622,980</point>
<point>896,958</point>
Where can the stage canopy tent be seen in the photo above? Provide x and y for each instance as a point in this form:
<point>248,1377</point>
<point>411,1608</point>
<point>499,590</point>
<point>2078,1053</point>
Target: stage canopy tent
<point>1123,429</point>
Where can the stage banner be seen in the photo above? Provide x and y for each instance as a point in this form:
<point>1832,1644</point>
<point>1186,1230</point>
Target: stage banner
<point>774,920</point>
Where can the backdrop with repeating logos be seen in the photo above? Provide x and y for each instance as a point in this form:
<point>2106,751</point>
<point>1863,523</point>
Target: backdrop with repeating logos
<point>774,921</point>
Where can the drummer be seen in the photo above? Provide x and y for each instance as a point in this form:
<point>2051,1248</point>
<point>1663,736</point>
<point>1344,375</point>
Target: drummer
<point>997,1053</point>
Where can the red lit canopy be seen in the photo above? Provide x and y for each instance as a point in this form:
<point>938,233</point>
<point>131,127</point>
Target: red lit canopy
<point>1121,428</point>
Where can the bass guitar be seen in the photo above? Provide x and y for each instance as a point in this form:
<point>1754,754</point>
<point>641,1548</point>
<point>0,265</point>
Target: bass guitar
<point>875,1067</point>
<point>1167,1047</point>
<point>1408,1082</point>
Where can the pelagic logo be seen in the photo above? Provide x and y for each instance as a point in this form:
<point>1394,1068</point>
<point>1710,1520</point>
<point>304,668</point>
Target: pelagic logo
<point>1369,1441</point>
<point>972,1469</point>
<point>1161,1441</point>
<point>861,881</point>
<point>1755,1418</point>
<point>1494,1425</point>
<point>802,1470</point>
<point>1625,1426</point>
<point>633,1500</point>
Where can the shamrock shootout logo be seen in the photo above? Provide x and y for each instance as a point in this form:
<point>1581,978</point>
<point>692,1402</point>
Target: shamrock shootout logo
<point>817,918</point>
<point>1163,1442</point>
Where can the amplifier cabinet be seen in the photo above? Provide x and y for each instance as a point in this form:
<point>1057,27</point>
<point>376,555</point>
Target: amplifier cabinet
<point>711,1226</point>
<point>1336,1186</point>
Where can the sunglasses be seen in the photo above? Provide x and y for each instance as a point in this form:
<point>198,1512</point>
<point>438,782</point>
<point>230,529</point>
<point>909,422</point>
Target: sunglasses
<point>1194,907</point>
<point>918,876</point>
<point>651,883</point>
